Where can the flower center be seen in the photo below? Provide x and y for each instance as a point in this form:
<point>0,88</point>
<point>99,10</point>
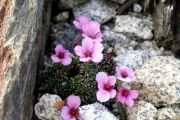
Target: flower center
<point>88,54</point>
<point>108,87</point>
<point>61,55</point>
<point>125,92</point>
<point>74,112</point>
<point>124,74</point>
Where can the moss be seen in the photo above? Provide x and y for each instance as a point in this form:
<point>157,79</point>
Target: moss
<point>77,78</point>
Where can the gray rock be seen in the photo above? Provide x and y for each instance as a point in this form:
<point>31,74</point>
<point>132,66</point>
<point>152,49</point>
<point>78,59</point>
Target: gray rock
<point>169,113</point>
<point>96,111</point>
<point>132,58</point>
<point>67,4</point>
<point>66,35</point>
<point>21,43</point>
<point>137,8</point>
<point>158,81</point>
<point>99,10</point>
<point>142,111</point>
<point>45,110</point>
<point>111,36</point>
<point>163,22</point>
<point>134,27</point>
<point>151,48</point>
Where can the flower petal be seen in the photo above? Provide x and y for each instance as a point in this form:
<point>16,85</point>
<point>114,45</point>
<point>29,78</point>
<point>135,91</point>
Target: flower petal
<point>95,26</point>
<point>100,86</point>
<point>102,77</point>
<point>55,58</point>
<point>97,57</point>
<point>124,69</point>
<point>129,102</point>
<point>84,19</point>
<point>80,117</point>
<point>87,44</point>
<point>59,48</point>
<point>73,101</point>
<point>67,61</point>
<point>79,51</point>
<point>77,24</point>
<point>97,47</point>
<point>85,59</point>
<point>112,93</point>
<point>111,80</point>
<point>86,30</point>
<point>125,79</point>
<point>132,76</point>
<point>133,94</point>
<point>102,96</point>
<point>72,118</point>
<point>121,98</point>
<point>65,113</point>
<point>118,71</point>
<point>81,21</point>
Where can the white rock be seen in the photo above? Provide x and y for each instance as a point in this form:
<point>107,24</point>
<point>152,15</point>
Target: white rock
<point>134,27</point>
<point>137,8</point>
<point>44,108</point>
<point>142,111</point>
<point>132,58</point>
<point>109,35</point>
<point>96,111</point>
<point>158,81</point>
<point>98,10</point>
<point>169,113</point>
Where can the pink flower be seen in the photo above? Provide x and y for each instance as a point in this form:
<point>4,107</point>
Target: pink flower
<point>126,96</point>
<point>71,111</point>
<point>61,55</point>
<point>125,74</point>
<point>81,21</point>
<point>106,86</point>
<point>89,51</point>
<point>92,30</point>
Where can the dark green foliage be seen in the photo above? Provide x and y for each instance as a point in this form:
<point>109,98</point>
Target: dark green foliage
<point>77,78</point>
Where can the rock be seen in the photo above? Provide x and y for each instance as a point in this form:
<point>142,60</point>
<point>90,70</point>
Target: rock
<point>111,36</point>
<point>96,111</point>
<point>66,35</point>
<point>132,58</point>
<point>163,23</point>
<point>20,47</point>
<point>99,10</point>
<point>67,4</point>
<point>151,48</point>
<point>45,110</point>
<point>133,26</point>
<point>119,1</point>
<point>142,111</point>
<point>158,81</point>
<point>169,113</point>
<point>129,45</point>
<point>61,17</point>
<point>137,8</point>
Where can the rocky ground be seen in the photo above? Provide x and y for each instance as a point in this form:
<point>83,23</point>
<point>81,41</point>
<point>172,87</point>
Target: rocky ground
<point>140,38</point>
